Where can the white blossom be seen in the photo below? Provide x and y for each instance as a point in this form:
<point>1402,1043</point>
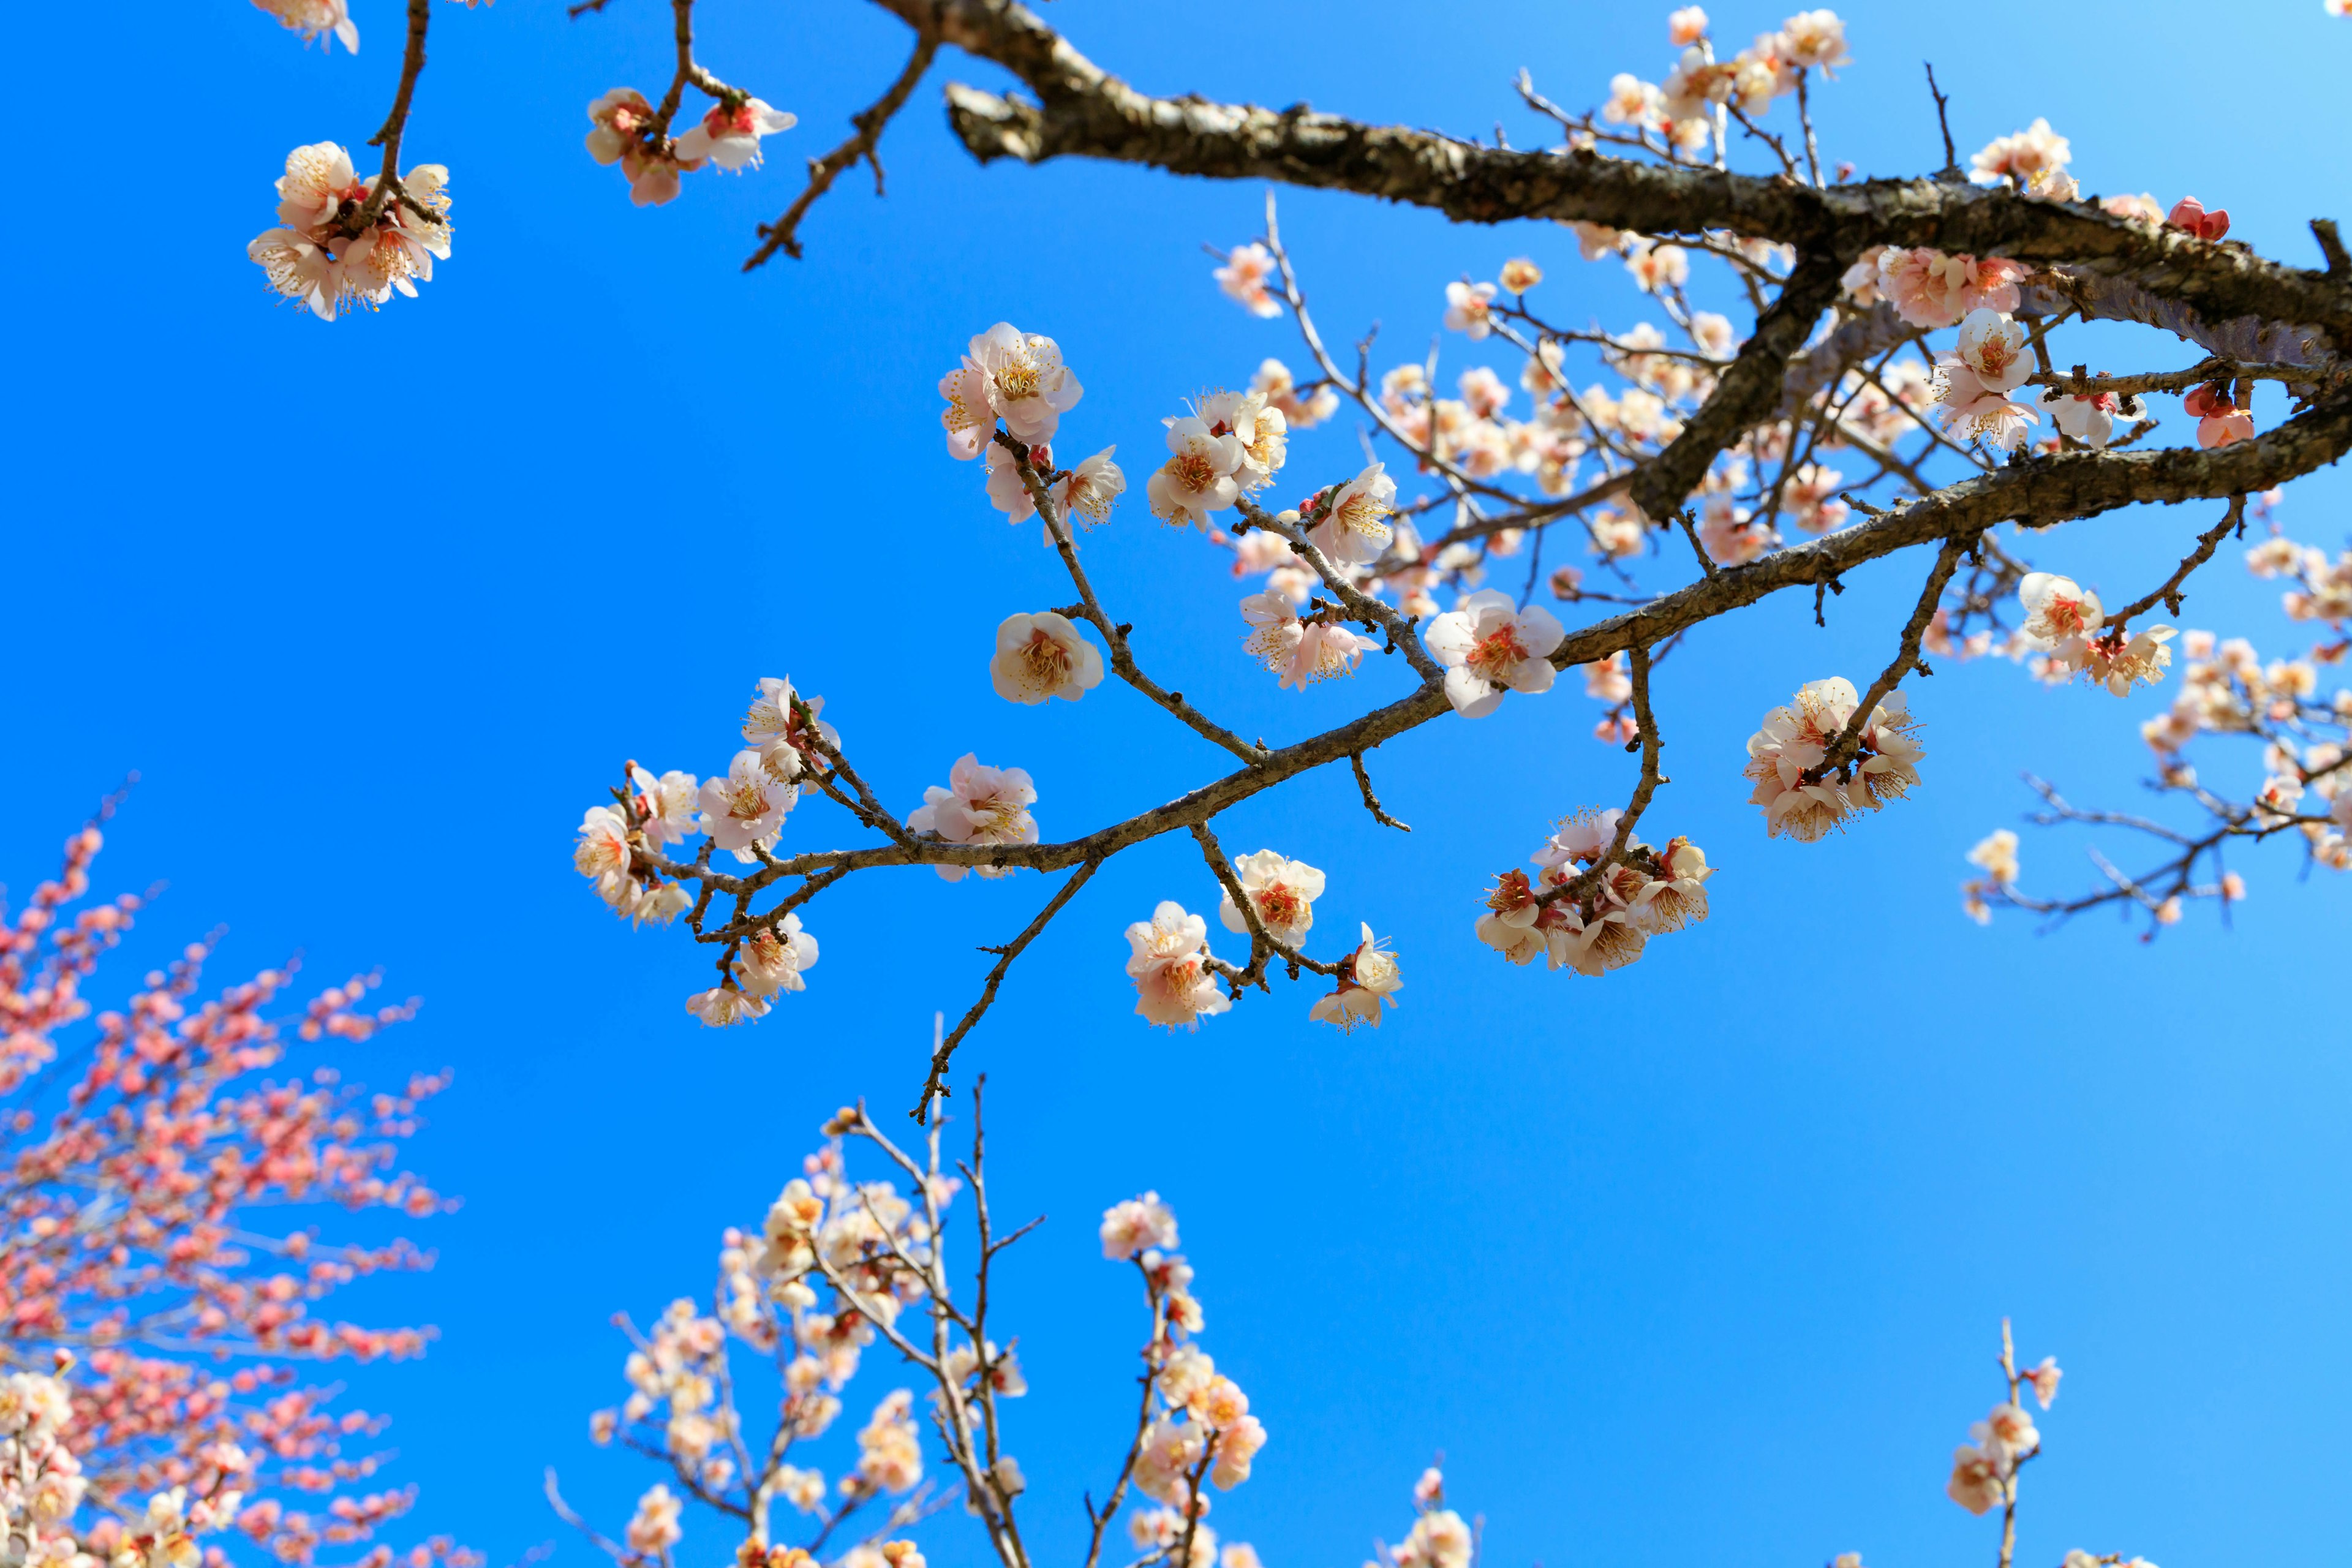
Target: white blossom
<point>1488,647</point>
<point>1041,655</point>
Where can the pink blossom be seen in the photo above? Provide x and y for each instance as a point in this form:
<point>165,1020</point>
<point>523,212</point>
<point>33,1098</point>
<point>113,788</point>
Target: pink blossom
<point>1167,962</point>
<point>981,805</point>
<point>2189,213</point>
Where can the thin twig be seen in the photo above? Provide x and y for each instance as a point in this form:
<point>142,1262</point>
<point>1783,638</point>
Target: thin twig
<point>783,234</point>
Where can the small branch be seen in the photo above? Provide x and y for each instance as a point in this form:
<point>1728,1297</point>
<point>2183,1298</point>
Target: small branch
<point>2169,592</point>
<point>1122,662</point>
<point>783,234</point>
<point>1638,659</point>
<point>2331,245</point>
<point>1690,532</point>
<point>934,1082</point>
<point>1907,656</point>
<point>2213,368</point>
<point>1943,123</point>
<point>387,185</point>
<point>1371,801</point>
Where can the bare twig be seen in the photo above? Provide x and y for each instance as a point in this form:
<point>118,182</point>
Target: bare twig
<point>783,234</point>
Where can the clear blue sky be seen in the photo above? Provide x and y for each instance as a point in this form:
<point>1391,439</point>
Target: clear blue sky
<point>1701,1262</point>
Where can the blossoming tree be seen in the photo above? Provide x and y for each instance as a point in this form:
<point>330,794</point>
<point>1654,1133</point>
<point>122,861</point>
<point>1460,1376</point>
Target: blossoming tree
<point>153,1322</point>
<point>845,1263</point>
<point>1898,369</point>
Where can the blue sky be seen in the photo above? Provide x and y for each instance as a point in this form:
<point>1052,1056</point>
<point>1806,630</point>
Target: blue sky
<point>1703,1260</point>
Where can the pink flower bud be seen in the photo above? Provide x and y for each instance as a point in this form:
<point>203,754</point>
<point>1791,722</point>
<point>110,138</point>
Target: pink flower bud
<point>2190,213</point>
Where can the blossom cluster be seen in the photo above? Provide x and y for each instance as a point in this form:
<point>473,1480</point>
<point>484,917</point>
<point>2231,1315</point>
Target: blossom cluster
<point>626,130</point>
<point>137,1230</point>
<point>1198,1425</point>
<point>834,1262</point>
<point>2226,689</point>
<point>1680,110</point>
<point>1804,794</point>
<point>340,245</point>
<point>1589,911</point>
<point>624,848</point>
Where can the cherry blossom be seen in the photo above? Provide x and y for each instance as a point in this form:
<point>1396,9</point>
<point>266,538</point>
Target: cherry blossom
<point>2119,664</point>
<point>315,18</point>
<point>1300,652</point>
<point>981,805</point>
<point>2219,421</point>
<point>1280,390</point>
<point>1352,526</point>
<point>1090,490</point>
<point>665,805</point>
<point>1198,478</point>
<point>2189,213</point>
<point>1282,890</point>
<point>1010,375</point>
<point>2044,1377</point>
<point>2089,418</point>
<point>1368,977</point>
<point>1168,966</point>
<point>622,120</point>
<point>1657,268</point>
<point>1243,278</point>
<point>1787,755</point>
<point>744,810</point>
<point>1467,309</point>
<point>2022,156</point>
<point>1815,39</point>
<point>320,256</point>
<point>1139,1225</point>
<point>1929,289</point>
<point>1489,647</point>
<point>729,135</point>
<point>774,958</point>
<point>603,853</point>
<point>2061,615</point>
<point>1041,655</point>
<point>785,726</point>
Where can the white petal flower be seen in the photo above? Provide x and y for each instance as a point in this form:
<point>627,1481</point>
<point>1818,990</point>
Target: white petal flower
<point>1488,647</point>
<point>1368,977</point>
<point>1173,984</point>
<point>773,957</point>
<point>1027,383</point>
<point>315,18</point>
<point>746,807</point>
<point>1354,528</point>
<point>722,1005</point>
<point>981,805</point>
<point>1089,489</point>
<point>1041,655</point>
<point>1993,345</point>
<point>730,137</point>
<point>1198,478</point>
<point>784,725</point>
<point>1243,278</point>
<point>1281,889</point>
